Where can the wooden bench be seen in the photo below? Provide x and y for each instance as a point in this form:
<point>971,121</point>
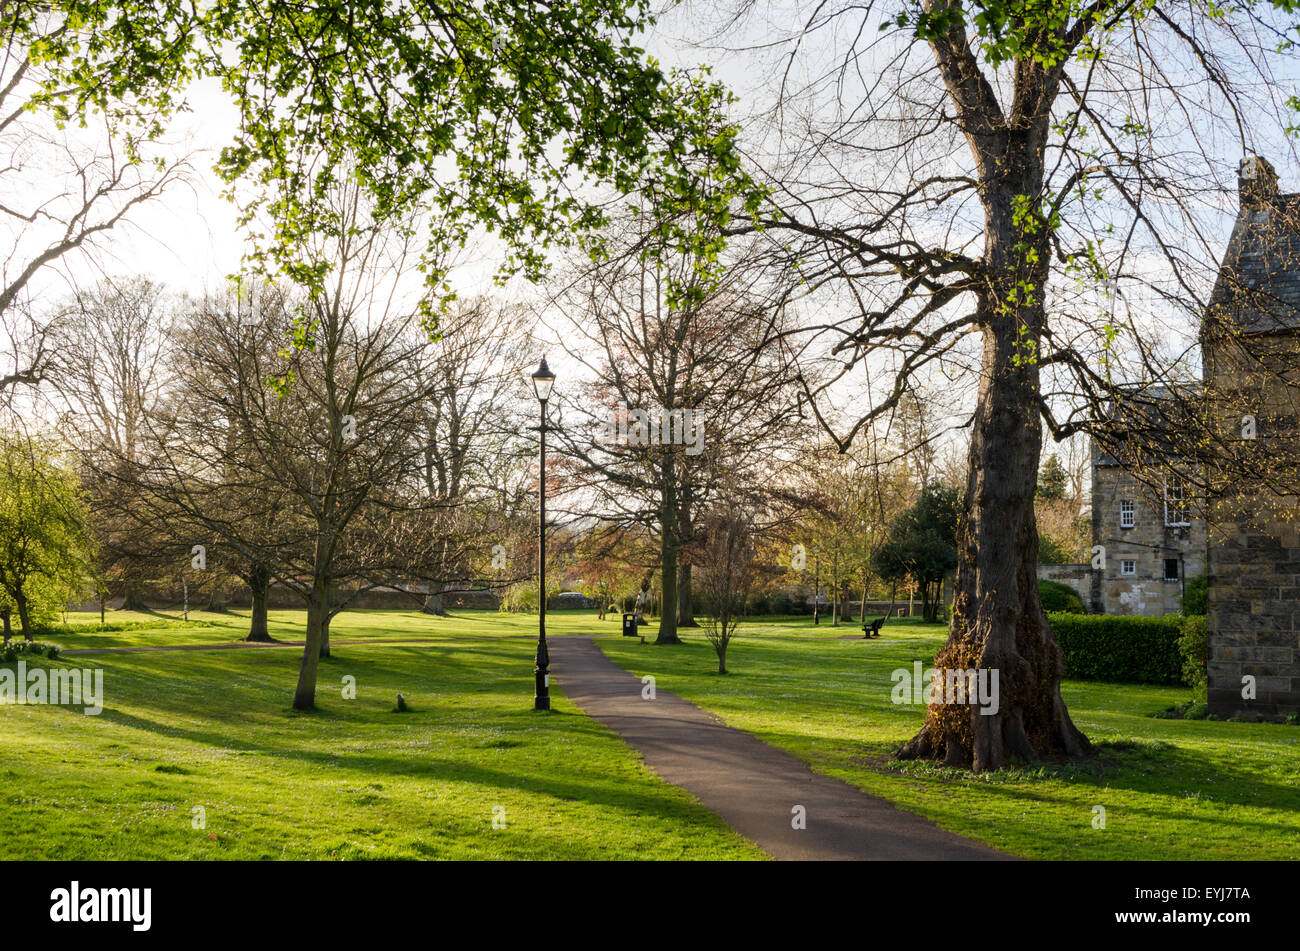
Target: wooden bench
<point>872,629</point>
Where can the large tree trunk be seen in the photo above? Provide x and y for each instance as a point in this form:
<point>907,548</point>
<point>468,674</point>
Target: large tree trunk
<point>304,697</point>
<point>133,600</point>
<point>685,609</point>
<point>331,601</point>
<point>24,614</point>
<point>433,604</point>
<point>997,620</point>
<point>217,600</point>
<point>5,625</point>
<point>259,581</point>
<point>668,554</point>
<point>686,535</point>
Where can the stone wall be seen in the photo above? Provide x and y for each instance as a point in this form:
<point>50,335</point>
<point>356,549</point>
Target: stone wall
<point>1254,553</point>
<point>1145,546</point>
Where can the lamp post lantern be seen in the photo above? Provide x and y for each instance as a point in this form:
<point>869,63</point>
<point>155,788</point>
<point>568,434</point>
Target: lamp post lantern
<point>543,380</point>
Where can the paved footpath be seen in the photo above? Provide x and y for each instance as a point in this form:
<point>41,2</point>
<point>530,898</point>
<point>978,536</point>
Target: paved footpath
<point>752,785</point>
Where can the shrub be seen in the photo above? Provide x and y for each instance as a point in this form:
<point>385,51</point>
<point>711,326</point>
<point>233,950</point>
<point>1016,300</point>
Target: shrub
<point>1140,650</point>
<point>1058,596</point>
<point>1196,711</point>
<point>1193,648</point>
<point>519,599</point>
<point>1196,596</point>
<point>14,649</point>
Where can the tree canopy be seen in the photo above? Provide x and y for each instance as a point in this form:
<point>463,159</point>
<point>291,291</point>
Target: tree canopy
<point>493,114</point>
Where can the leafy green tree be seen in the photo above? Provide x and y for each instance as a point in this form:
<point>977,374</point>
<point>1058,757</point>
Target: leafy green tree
<point>479,115</point>
<point>1050,551</point>
<point>43,540</point>
<point>1052,480</point>
<point>922,545</point>
<point>1196,596</point>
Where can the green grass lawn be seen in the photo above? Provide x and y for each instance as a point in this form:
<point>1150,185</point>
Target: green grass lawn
<point>1171,789</point>
<point>355,780</point>
<point>214,729</point>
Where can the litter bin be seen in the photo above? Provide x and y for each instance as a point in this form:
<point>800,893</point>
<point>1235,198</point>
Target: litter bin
<point>629,625</point>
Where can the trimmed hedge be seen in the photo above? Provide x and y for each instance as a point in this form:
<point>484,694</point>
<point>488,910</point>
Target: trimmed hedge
<point>1059,596</point>
<point>1140,650</point>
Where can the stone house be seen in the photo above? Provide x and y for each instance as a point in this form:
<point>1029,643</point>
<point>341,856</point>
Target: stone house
<point>1245,536</point>
<point>1251,361</point>
<point>1153,536</point>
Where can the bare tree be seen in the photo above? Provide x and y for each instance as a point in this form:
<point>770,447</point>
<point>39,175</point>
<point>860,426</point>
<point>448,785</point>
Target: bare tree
<point>686,388</point>
<point>61,193</point>
<point>727,573</point>
<point>292,439</point>
<point>972,190</point>
<point>472,417</point>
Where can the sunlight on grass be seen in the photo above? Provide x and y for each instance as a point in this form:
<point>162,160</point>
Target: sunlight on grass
<point>1172,789</point>
<point>353,780</point>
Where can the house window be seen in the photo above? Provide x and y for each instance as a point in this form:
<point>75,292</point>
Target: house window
<point>1177,513</point>
<point>1127,567</point>
<point>1171,569</point>
<point>1127,514</point>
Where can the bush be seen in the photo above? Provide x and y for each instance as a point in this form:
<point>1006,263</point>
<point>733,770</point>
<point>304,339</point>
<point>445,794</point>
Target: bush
<point>1141,650</point>
<point>1196,596</point>
<point>1196,711</point>
<point>519,599</point>
<point>1057,596</point>
<point>15,648</point>
<point>1193,648</point>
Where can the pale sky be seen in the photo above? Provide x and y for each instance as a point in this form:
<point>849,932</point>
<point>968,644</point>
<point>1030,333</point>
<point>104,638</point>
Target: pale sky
<point>189,240</point>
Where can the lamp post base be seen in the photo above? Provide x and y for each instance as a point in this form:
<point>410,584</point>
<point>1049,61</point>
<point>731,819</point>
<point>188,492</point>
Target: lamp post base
<point>542,691</point>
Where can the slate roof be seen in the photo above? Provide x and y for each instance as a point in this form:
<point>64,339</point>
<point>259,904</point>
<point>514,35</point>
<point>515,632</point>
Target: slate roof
<point>1258,286</point>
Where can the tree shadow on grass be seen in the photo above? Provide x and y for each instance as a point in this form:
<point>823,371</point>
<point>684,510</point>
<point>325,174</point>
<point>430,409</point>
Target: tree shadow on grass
<point>539,779</point>
<point>1156,768</point>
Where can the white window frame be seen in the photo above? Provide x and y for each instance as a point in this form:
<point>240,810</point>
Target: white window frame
<point>1177,513</point>
<point>1127,513</point>
<point>1128,567</point>
<point>1178,569</point>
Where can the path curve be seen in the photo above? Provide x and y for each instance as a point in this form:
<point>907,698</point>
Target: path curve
<point>752,785</point>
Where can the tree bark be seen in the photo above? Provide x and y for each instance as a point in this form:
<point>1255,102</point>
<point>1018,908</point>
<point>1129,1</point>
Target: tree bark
<point>433,604</point>
<point>685,609</point>
<point>259,581</point>
<point>217,601</point>
<point>132,600</point>
<point>304,697</point>
<point>668,554</point>
<point>997,619</point>
<point>685,604</point>
<point>5,625</point>
<point>330,600</point>
<point>24,614</point>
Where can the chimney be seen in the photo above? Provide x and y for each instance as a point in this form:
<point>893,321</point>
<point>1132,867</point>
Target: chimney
<point>1256,182</point>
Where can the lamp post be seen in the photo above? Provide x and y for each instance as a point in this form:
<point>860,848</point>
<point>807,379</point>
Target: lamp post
<point>543,380</point>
